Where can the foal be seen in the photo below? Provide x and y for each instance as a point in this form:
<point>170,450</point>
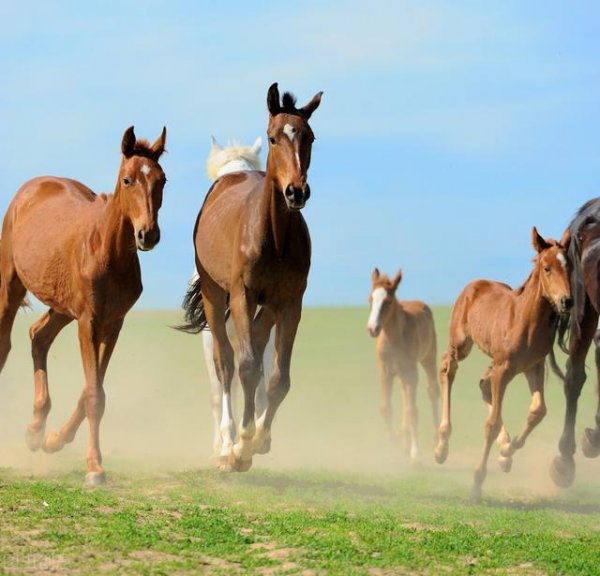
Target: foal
<point>516,329</point>
<point>406,337</point>
<point>77,253</point>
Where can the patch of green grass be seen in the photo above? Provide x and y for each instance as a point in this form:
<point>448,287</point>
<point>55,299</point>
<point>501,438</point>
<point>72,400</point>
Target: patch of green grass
<point>287,522</point>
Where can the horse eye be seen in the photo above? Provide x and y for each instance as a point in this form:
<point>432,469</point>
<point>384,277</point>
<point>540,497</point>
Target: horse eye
<point>127,181</point>
<point>546,269</point>
<point>272,141</point>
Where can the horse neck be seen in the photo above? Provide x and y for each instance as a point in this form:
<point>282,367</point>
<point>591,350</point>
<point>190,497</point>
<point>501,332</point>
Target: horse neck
<point>532,304</point>
<point>395,319</point>
<point>278,215</point>
<point>117,233</point>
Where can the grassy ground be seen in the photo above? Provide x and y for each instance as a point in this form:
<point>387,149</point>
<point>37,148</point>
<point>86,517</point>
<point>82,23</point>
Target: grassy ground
<point>334,496</point>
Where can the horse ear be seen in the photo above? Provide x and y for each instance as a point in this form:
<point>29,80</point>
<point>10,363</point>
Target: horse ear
<point>215,144</point>
<point>566,239</point>
<point>538,241</point>
<point>273,103</point>
<point>312,105</point>
<point>375,275</point>
<point>128,142</point>
<point>159,146</point>
<point>257,146</point>
<point>397,280</point>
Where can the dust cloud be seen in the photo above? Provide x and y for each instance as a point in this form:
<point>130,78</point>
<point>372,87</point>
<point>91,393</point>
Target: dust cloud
<point>158,414</point>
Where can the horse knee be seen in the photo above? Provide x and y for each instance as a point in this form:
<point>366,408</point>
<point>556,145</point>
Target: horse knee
<point>537,414</point>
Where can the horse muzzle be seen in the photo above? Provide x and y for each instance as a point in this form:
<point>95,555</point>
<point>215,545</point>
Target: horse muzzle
<point>373,331</point>
<point>565,304</point>
<point>145,240</point>
<point>296,197</point>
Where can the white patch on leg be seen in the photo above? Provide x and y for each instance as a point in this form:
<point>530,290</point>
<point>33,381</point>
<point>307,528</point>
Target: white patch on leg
<point>414,450</point>
<point>378,297</point>
<point>145,169</point>
<point>227,426</point>
<point>561,258</point>
<point>290,132</point>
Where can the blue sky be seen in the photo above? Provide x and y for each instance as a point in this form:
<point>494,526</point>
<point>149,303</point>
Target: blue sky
<point>446,130</point>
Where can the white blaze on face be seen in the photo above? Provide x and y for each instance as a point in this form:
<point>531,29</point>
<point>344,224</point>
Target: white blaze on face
<point>289,131</point>
<point>145,169</point>
<point>377,298</point>
<point>561,258</point>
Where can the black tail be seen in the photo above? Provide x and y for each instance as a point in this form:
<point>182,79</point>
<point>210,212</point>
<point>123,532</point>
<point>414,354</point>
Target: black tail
<point>193,305</point>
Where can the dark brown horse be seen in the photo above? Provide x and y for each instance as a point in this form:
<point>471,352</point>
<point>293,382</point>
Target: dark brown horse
<point>77,253</point>
<point>253,249</point>
<point>584,253</point>
<point>516,329</point>
<point>405,334</point>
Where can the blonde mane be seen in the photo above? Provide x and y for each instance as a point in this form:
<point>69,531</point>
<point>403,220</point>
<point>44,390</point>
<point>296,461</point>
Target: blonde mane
<point>219,157</point>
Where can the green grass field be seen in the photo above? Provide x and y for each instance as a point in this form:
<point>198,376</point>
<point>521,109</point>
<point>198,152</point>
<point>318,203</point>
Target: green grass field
<point>334,496</point>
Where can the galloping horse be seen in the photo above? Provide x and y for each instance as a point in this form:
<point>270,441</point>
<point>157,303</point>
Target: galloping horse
<point>221,161</point>
<point>584,253</point>
<point>77,253</point>
<point>405,335</point>
<point>517,329</point>
<point>253,249</point>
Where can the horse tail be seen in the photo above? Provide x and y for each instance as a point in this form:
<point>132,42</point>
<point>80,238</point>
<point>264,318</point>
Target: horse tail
<point>193,306</point>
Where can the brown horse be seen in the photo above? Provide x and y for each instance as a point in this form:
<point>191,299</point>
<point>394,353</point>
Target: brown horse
<point>253,249</point>
<point>584,253</point>
<point>405,335</point>
<point>516,329</point>
<point>76,252</point>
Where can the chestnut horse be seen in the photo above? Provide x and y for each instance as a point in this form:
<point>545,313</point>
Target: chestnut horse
<point>406,337</point>
<point>516,329</point>
<point>253,249</point>
<point>221,161</point>
<point>77,253</point>
<point>584,253</point>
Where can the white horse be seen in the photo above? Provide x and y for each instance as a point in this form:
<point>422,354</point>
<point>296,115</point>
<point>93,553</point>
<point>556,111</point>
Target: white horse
<point>221,161</point>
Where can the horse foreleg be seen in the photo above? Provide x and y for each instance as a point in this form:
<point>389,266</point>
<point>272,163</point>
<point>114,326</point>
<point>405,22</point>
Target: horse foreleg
<point>386,382</point>
<point>411,414</point>
<point>433,390</point>
<point>42,335</point>
<point>590,442</point>
<point>263,348</point>
<point>242,312</point>
<point>500,376</point>
<point>537,410</point>
<point>279,385</point>
<point>562,469</point>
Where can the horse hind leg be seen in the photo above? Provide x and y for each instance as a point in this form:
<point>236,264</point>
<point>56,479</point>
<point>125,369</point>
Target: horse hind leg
<point>590,441</point>
<point>456,352</point>
<point>42,335</point>
<point>12,294</point>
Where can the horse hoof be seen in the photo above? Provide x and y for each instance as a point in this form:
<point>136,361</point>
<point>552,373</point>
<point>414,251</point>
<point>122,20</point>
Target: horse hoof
<point>95,479</point>
<point>562,471</point>
<point>441,453</point>
<point>51,443</point>
<point>262,447</point>
<point>34,440</point>
<point>505,463</point>
<point>589,449</point>
<point>239,465</point>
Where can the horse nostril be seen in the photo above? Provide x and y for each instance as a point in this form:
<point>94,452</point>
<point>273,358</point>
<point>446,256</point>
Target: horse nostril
<point>141,235</point>
<point>290,192</point>
<point>568,303</point>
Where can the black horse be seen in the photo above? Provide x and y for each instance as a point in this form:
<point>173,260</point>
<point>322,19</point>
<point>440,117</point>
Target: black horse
<point>584,256</point>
